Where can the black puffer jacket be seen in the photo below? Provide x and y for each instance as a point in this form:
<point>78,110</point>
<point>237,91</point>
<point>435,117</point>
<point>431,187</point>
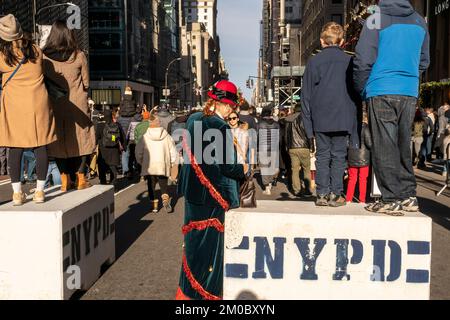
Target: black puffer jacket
<point>127,107</point>
<point>360,157</point>
<point>295,134</point>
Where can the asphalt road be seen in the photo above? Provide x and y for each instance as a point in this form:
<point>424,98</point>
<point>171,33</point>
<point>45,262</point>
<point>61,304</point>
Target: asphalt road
<point>148,246</point>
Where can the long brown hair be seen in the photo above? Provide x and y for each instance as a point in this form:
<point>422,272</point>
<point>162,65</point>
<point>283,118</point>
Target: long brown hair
<point>25,45</point>
<point>61,40</point>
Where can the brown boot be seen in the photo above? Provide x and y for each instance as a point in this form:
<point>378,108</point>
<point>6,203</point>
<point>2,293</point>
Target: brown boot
<point>82,183</point>
<point>155,206</point>
<point>66,182</point>
<point>166,199</point>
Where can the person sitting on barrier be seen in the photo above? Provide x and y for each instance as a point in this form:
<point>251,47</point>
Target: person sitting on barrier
<point>209,182</point>
<point>156,153</point>
<point>26,116</point>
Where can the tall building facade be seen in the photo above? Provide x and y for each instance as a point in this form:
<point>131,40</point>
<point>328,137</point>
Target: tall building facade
<point>47,12</point>
<point>279,65</point>
<point>201,63</point>
<point>315,15</point>
<point>204,12</point>
<point>131,44</point>
<point>439,71</point>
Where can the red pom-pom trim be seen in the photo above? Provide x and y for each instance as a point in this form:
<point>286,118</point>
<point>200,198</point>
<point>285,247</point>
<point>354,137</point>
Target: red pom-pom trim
<point>204,179</point>
<point>194,283</point>
<point>202,225</point>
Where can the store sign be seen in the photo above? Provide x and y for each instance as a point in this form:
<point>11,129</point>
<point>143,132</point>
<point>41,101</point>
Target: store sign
<point>441,6</point>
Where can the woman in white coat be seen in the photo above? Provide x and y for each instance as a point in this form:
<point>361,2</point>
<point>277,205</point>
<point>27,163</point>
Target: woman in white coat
<point>156,153</point>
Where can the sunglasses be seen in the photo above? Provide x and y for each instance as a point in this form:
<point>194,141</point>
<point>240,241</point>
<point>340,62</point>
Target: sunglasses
<point>232,118</point>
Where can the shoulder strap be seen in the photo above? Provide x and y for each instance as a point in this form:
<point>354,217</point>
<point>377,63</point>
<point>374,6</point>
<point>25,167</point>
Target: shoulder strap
<point>14,73</point>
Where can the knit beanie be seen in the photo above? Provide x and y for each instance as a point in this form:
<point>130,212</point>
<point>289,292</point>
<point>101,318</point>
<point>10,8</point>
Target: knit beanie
<point>10,29</point>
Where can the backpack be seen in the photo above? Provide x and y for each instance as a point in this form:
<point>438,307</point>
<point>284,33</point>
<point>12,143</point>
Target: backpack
<point>111,135</point>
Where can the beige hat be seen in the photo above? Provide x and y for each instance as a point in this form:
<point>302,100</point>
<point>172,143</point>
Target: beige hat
<point>10,29</point>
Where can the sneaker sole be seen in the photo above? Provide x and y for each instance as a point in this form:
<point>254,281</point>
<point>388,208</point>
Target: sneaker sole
<point>413,209</point>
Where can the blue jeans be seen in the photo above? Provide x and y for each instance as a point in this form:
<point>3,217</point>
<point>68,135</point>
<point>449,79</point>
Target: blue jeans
<point>54,173</point>
<point>331,162</point>
<point>390,124</point>
<point>28,156</point>
<point>125,160</point>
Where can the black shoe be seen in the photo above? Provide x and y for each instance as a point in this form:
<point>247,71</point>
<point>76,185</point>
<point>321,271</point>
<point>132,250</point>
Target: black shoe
<point>336,201</point>
<point>391,208</point>
<point>322,201</point>
<point>305,194</point>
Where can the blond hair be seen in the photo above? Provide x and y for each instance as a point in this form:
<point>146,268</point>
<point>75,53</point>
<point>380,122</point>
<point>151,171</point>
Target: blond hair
<point>332,33</point>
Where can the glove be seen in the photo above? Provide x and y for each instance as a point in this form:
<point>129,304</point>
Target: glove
<point>312,145</point>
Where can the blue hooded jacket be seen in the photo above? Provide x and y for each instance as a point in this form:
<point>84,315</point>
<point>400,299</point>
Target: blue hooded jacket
<point>392,51</point>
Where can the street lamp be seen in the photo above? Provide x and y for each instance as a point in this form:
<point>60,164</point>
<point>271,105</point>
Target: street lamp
<point>37,12</point>
<point>166,93</point>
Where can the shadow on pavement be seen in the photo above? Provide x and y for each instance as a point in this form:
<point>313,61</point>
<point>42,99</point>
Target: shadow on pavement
<point>436,211</point>
<point>130,225</point>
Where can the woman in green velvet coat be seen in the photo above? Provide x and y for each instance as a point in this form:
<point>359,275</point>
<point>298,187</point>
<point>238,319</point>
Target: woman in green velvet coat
<point>209,182</point>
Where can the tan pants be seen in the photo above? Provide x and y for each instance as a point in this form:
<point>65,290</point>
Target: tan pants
<point>300,160</point>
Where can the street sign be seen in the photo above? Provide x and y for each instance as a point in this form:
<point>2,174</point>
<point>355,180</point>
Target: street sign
<point>166,92</point>
<point>296,97</point>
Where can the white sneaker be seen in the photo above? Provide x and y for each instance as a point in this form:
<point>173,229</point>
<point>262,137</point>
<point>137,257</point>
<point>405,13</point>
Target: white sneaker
<point>267,192</point>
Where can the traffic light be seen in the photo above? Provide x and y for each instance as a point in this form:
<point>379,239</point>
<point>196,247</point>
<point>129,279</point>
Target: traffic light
<point>248,84</point>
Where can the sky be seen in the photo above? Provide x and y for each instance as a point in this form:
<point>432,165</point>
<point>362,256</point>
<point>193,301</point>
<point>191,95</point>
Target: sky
<point>238,26</point>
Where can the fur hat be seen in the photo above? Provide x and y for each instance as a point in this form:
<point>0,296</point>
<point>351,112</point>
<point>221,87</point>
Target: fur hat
<point>10,29</point>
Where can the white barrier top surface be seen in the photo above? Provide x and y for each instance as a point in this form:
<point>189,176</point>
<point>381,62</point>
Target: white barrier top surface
<point>306,207</point>
<point>56,200</point>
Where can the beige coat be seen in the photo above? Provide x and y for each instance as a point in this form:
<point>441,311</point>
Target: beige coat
<point>74,128</point>
<point>26,117</point>
<point>156,153</point>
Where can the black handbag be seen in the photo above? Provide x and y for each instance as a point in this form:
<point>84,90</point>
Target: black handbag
<point>248,193</point>
<point>55,91</point>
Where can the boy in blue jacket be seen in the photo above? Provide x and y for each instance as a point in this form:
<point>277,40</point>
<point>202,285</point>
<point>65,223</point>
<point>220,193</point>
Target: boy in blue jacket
<point>392,52</point>
<point>329,109</point>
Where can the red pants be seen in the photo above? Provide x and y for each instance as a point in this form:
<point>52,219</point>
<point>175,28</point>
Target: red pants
<point>354,174</point>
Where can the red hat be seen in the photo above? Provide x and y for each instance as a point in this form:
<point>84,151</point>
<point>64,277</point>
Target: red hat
<point>224,91</point>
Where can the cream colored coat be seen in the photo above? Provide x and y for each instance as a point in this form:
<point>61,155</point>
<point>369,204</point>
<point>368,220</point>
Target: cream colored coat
<point>156,153</point>
<point>74,128</point>
<point>26,117</point>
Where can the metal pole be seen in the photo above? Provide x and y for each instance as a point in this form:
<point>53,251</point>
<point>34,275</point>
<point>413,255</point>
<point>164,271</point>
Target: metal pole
<point>167,73</point>
<point>34,20</point>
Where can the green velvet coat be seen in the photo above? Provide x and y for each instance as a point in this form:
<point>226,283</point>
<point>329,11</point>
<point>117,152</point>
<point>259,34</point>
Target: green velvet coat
<point>203,249</point>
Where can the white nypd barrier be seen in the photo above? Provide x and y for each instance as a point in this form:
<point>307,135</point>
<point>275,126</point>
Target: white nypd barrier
<point>49,251</point>
<point>294,251</point>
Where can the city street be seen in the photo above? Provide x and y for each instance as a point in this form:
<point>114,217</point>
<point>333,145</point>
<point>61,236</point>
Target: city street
<point>148,246</point>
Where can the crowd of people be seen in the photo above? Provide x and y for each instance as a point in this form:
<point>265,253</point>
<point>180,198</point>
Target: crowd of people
<point>357,115</point>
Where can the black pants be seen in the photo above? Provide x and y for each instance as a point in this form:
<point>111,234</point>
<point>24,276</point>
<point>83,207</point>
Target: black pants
<point>103,169</point>
<point>391,119</point>
<point>132,162</point>
<point>151,184</point>
<point>72,166</point>
<point>15,160</point>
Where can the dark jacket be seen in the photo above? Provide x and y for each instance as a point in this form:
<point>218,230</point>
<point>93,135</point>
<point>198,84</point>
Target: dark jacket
<point>110,155</point>
<point>249,119</point>
<point>127,107</point>
<point>224,174</point>
<point>295,135</point>
<point>176,126</point>
<point>388,59</point>
<point>165,117</point>
<point>359,154</point>
<point>268,134</point>
<point>328,99</point>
